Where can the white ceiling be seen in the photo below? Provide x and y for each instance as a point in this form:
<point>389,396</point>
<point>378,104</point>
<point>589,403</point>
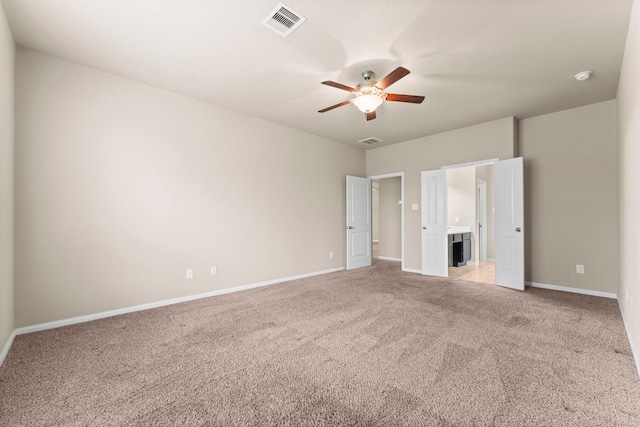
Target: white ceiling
<point>474,61</point>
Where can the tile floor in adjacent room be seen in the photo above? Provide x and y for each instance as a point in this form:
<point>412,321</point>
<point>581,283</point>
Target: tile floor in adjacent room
<point>484,272</point>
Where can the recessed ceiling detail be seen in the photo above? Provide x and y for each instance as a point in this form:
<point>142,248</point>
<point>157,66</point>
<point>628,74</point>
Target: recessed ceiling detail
<point>283,20</point>
<point>584,75</point>
<point>370,141</point>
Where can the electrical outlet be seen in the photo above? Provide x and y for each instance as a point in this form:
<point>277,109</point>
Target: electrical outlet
<point>330,255</point>
<point>190,273</point>
<point>214,271</point>
<point>580,268</point>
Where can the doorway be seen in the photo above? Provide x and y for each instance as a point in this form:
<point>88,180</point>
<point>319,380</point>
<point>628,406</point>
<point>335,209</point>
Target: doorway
<point>469,209</point>
<point>509,221</point>
<point>388,218</point>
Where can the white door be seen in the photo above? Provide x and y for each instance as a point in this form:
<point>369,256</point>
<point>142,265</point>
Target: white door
<point>434,223</point>
<point>482,219</point>
<point>358,222</point>
<point>509,223</point>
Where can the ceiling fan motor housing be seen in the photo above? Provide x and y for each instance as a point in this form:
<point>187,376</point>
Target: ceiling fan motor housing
<point>367,74</point>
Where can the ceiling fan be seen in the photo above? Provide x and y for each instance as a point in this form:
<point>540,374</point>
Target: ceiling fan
<point>370,95</point>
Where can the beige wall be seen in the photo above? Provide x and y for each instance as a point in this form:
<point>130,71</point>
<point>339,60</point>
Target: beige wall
<point>461,197</point>
<point>7,51</point>
<point>390,226</point>
<point>480,142</point>
<point>629,177</point>
<point>120,187</point>
<point>571,197</point>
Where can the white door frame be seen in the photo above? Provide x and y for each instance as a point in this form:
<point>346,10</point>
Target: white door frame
<point>394,175</point>
<point>478,163</point>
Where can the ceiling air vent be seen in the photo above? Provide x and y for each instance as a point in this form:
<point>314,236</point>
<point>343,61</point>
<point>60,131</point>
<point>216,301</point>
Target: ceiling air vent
<point>370,141</point>
<point>283,20</point>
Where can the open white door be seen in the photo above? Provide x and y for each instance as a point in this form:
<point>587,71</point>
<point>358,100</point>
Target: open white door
<point>358,222</point>
<point>434,223</point>
<point>509,228</point>
<point>482,220</point>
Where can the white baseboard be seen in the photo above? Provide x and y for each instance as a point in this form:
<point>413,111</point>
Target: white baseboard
<point>390,259</point>
<point>636,357</point>
<point>7,346</point>
<point>491,259</point>
<point>574,290</point>
<point>111,313</point>
<point>141,307</point>
<point>375,241</point>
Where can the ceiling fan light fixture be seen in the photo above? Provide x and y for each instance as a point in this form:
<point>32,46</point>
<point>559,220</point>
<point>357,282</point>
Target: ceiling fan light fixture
<point>367,102</point>
<point>369,97</point>
<point>370,94</point>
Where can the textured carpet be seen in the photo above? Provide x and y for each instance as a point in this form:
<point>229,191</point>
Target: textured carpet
<point>374,347</point>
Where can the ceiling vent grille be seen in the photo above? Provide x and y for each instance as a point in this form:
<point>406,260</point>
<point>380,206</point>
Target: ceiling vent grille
<point>370,141</point>
<point>283,20</point>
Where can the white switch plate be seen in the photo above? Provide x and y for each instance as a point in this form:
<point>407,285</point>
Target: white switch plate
<point>580,268</point>
<point>457,219</point>
<point>190,273</point>
<point>330,255</point>
<point>414,207</point>
<point>214,271</point>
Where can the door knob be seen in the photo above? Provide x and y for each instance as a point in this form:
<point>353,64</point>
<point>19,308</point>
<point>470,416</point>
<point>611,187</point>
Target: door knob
<point>424,227</point>
<point>518,229</point>
<point>350,227</point>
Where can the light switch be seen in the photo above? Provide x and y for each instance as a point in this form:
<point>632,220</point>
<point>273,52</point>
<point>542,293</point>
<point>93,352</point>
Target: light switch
<point>414,207</point>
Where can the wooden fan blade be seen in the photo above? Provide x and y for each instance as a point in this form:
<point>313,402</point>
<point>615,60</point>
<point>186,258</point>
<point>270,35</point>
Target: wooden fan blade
<point>370,116</point>
<point>416,99</point>
<point>324,110</point>
<point>339,86</point>
<point>392,77</point>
